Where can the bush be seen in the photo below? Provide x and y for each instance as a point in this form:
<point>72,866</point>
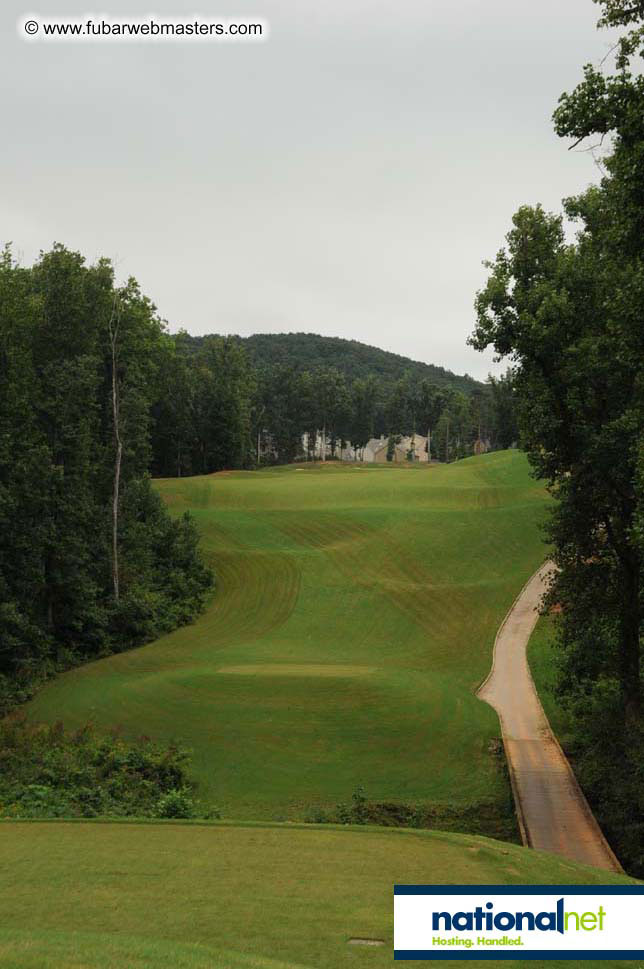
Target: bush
<point>494,819</point>
<point>47,772</point>
<point>176,803</point>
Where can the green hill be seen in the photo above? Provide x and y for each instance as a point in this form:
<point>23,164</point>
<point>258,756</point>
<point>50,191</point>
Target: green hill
<point>354,616</point>
<point>187,896</point>
<point>308,351</point>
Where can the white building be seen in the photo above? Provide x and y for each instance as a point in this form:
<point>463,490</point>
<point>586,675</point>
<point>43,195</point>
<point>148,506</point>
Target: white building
<point>413,448</point>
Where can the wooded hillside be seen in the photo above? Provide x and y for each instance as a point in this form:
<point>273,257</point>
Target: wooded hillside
<point>355,360</point>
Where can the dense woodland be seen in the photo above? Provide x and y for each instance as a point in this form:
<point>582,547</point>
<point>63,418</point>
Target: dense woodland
<point>223,407</point>
<point>97,396</point>
<point>310,351</point>
<point>90,561</point>
<point>569,314</point>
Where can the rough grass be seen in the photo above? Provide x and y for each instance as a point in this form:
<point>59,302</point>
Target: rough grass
<point>188,896</point>
<point>354,617</point>
<point>543,659</point>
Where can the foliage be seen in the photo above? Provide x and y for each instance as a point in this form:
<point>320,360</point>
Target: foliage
<point>57,602</point>
<point>608,762</point>
<point>494,818</point>
<point>310,351</point>
<point>569,315</point>
<point>201,419</point>
<point>46,772</point>
<point>272,390</point>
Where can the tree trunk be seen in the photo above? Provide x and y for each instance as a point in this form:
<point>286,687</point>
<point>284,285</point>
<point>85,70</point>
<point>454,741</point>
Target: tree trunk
<point>118,450</point>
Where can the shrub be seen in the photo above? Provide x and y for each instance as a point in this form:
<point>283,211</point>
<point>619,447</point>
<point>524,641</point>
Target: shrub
<point>176,803</point>
<point>47,772</point>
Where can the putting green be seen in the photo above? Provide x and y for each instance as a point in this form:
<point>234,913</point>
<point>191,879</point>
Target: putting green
<point>186,896</point>
<point>354,616</point>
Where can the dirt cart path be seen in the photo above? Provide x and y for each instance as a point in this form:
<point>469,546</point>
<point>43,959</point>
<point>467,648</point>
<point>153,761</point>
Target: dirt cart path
<point>553,813</point>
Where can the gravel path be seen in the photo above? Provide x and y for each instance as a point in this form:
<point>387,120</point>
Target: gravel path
<point>553,813</point>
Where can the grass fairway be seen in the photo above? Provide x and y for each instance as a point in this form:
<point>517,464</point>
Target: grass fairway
<point>354,616</point>
<point>187,896</point>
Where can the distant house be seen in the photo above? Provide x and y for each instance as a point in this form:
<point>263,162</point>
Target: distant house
<point>375,450</point>
<point>413,448</point>
<point>481,446</point>
<point>318,450</point>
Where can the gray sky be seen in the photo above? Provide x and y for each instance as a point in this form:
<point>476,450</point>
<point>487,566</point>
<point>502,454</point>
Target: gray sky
<point>345,177</point>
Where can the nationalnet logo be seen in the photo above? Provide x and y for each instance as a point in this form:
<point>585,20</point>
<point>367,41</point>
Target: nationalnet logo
<point>518,922</point>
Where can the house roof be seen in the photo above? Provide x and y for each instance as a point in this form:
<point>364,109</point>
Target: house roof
<point>418,439</point>
<point>376,443</point>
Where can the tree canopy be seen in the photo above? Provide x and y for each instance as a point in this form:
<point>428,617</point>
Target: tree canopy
<point>568,314</point>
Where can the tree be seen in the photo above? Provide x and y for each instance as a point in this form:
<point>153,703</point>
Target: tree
<point>552,307</point>
<point>173,412</point>
<point>363,406</point>
<point>113,331</point>
<point>224,388</point>
<point>90,560</point>
<point>400,408</point>
<point>280,397</point>
<point>328,404</point>
<point>569,316</point>
<point>505,428</point>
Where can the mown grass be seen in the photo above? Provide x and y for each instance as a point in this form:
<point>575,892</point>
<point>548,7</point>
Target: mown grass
<point>354,616</point>
<point>187,896</point>
<point>543,659</point>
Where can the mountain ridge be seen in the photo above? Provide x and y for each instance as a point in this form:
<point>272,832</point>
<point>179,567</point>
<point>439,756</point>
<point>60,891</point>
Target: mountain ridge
<point>351,357</point>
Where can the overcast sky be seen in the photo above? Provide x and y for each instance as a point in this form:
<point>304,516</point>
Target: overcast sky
<point>345,177</point>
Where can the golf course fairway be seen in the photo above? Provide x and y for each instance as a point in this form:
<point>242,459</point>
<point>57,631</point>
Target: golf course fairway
<point>227,896</point>
<point>353,619</point>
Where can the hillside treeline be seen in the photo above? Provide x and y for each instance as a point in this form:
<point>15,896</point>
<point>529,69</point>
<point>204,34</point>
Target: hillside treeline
<point>220,411</point>
<point>309,351</point>
<point>569,315</point>
<point>90,560</point>
<point>96,396</point>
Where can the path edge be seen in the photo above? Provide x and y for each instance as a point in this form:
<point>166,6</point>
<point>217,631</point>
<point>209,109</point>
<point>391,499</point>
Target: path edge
<point>523,828</point>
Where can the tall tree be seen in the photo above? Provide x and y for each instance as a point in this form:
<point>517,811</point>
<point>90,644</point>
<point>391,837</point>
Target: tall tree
<point>363,407</point>
<point>113,332</point>
<point>505,429</point>
<point>90,561</point>
<point>570,317</point>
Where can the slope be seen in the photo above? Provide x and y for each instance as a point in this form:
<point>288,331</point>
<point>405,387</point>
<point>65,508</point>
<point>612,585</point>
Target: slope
<point>354,617</point>
<point>154,896</point>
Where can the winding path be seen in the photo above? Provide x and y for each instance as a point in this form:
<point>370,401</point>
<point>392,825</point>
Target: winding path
<point>552,810</point>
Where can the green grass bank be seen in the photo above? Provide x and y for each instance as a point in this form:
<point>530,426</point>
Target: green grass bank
<point>198,896</point>
<point>354,616</point>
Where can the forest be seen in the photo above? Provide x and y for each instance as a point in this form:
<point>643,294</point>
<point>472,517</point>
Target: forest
<point>227,406</point>
<point>567,313</point>
<point>90,561</point>
<point>309,351</point>
<point>98,397</point>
